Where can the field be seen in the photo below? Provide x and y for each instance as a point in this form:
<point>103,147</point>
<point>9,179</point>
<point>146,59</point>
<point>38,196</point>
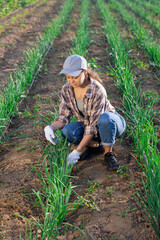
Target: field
<point>39,197</point>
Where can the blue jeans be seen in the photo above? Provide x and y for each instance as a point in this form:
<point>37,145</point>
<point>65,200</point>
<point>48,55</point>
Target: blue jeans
<point>110,125</point>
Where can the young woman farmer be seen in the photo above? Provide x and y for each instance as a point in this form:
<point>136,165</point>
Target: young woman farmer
<point>98,124</point>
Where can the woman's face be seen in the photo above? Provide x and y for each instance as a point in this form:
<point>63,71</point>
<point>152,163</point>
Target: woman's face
<point>77,81</point>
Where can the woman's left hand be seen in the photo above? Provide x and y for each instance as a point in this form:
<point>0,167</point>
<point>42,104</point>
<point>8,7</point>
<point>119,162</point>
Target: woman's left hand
<point>73,157</point>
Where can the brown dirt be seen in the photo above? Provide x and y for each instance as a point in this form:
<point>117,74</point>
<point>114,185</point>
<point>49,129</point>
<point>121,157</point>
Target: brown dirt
<point>23,33</point>
<point>120,217</point>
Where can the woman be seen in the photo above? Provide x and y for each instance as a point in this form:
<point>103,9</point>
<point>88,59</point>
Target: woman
<point>98,124</point>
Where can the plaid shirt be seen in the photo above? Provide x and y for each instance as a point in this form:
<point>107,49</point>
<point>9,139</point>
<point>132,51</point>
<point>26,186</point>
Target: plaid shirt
<point>95,103</point>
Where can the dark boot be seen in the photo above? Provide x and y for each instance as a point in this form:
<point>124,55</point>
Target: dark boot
<point>91,152</point>
<point>111,161</point>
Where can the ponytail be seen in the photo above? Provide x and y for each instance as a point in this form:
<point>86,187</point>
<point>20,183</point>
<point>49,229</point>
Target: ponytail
<point>93,74</point>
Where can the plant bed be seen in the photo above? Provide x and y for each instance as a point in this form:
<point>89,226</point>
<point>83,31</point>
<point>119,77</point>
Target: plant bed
<point>23,34</point>
<point>119,217</point>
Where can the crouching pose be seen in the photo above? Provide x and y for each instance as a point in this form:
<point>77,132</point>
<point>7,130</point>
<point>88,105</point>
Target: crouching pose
<point>97,125</point>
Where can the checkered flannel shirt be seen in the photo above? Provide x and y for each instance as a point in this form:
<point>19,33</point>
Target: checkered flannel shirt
<point>95,103</point>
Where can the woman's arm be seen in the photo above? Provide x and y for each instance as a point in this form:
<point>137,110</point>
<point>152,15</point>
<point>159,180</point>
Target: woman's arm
<point>84,142</point>
<point>56,125</point>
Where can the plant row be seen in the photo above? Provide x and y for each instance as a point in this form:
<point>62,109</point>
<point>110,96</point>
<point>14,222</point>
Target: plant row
<point>153,7</point>
<point>138,107</point>
<point>144,39</point>
<point>139,9</point>
<point>15,91</point>
<point>82,39</point>
<point>154,2</point>
<point>54,196</point>
<point>54,199</point>
<point>6,6</point>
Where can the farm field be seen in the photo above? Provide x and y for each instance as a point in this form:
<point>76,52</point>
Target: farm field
<point>20,31</point>
<point>109,210</point>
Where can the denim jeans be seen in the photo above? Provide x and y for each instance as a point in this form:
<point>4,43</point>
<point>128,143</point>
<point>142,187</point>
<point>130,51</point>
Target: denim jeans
<point>110,125</point>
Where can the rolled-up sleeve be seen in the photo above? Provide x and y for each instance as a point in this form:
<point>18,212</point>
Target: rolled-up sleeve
<point>65,114</point>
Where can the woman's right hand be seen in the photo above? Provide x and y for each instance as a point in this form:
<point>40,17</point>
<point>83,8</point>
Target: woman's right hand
<point>49,134</point>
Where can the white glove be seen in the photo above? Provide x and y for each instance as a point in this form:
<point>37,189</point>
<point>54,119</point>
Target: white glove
<point>73,157</point>
<point>49,134</point>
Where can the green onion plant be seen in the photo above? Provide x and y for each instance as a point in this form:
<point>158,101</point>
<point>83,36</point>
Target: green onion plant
<point>152,6</point>
<point>82,40</point>
<point>6,6</point>
<point>145,40</point>
<point>139,9</point>
<point>54,199</point>
<point>138,107</point>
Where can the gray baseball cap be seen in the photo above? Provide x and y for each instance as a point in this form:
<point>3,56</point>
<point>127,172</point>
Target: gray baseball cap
<point>73,65</point>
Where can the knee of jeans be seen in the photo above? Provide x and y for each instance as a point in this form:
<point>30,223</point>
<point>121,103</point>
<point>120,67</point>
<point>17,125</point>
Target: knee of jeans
<point>104,119</point>
<point>70,136</point>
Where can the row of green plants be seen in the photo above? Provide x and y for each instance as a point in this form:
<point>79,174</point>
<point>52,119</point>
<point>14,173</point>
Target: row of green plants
<point>82,39</point>
<point>18,81</point>
<point>54,173</point>
<point>18,18</point>
<point>154,2</point>
<point>53,198</point>
<point>153,7</point>
<point>6,6</point>
<point>139,9</point>
<point>144,39</point>
<point>138,107</point>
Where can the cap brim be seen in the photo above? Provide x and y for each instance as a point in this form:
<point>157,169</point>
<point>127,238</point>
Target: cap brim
<point>71,72</point>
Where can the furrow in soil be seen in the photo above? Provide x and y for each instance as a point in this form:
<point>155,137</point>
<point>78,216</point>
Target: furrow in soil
<point>16,175</point>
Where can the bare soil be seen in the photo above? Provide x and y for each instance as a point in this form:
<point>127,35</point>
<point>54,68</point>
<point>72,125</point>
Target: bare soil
<point>22,33</point>
<point>118,215</point>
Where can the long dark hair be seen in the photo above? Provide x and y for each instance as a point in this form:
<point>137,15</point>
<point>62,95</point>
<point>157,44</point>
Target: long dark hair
<point>93,74</point>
